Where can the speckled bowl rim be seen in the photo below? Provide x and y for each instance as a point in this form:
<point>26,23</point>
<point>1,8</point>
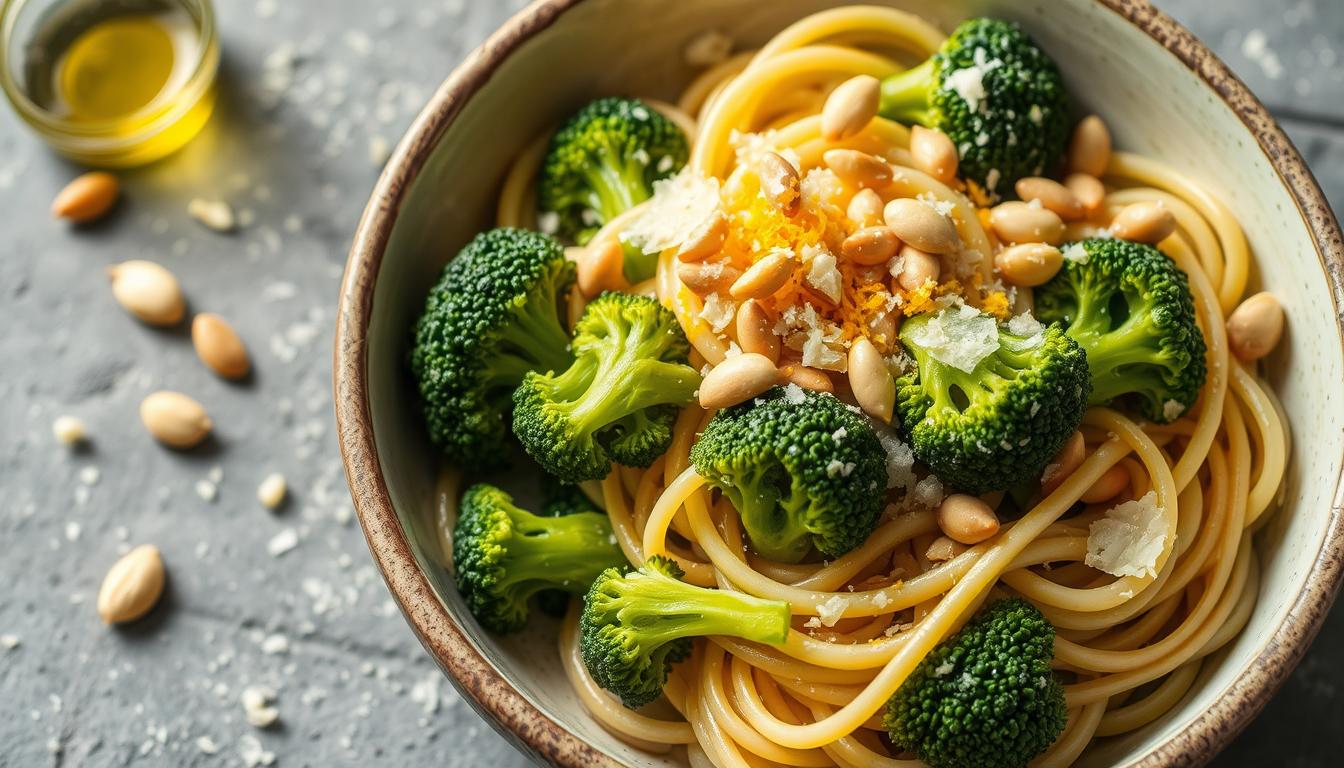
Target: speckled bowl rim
<point>504,706</point>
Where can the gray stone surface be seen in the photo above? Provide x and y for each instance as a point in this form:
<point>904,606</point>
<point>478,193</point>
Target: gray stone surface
<point>309,89</point>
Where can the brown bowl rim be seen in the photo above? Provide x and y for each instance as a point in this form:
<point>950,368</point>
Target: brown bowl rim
<point>503,706</point>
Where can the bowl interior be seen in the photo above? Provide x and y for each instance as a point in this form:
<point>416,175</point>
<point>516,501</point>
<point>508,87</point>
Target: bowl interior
<point>1154,106</point>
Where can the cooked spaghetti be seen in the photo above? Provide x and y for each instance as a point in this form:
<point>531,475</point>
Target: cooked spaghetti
<point>1186,492</point>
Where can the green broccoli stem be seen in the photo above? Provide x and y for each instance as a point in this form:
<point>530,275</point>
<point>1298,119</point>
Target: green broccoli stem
<point>1110,353</point>
<point>622,384</point>
<point>664,609</point>
<point>558,553</point>
<point>773,526</point>
<point>618,185</point>
<point>905,95</point>
<point>534,341</point>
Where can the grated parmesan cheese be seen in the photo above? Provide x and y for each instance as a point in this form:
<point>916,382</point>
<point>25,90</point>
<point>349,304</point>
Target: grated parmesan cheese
<point>900,457</point>
<point>830,612</point>
<point>823,272</point>
<point>718,311</point>
<point>1172,410</point>
<point>1129,539</point>
<point>1075,252</point>
<point>794,394</point>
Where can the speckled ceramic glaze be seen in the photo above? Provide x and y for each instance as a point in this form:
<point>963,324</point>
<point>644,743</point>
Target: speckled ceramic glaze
<point>1162,93</point>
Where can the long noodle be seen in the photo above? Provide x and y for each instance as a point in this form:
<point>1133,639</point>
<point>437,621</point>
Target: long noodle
<point>1130,647</point>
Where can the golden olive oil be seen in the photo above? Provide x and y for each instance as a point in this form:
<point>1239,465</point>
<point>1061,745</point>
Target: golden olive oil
<point>124,75</point>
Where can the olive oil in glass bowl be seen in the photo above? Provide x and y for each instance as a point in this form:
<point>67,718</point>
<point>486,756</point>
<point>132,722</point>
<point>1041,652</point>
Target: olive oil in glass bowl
<point>110,83</point>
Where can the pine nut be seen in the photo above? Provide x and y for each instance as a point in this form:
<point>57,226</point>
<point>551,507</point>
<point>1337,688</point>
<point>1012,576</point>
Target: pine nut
<point>850,107</point>
<point>780,183</point>
<point>1088,190</point>
<point>933,153</point>
<point>86,198</point>
<point>705,278</point>
<point>148,291</point>
<point>1146,222</point>
<point>736,380</point>
<point>1069,458</point>
<point>882,327</point>
<point>1255,327</point>
<point>174,419</point>
<point>917,268</point>
<point>865,208</point>
<point>921,225</point>
<point>1106,487</point>
<point>943,549</point>
<point>870,246</point>
<point>858,167</point>
<point>763,278</point>
<point>601,267</point>
<point>1029,264</point>
<point>271,492</point>
<point>872,383</point>
<point>218,346</point>
<point>132,585</point>
<point>706,240</point>
<point>214,214</point>
<point>1052,195</point>
<point>1018,222</point>
<point>69,430</point>
<point>756,331</point>
<point>1090,147</point>
<point>966,519</point>
<point>808,378</point>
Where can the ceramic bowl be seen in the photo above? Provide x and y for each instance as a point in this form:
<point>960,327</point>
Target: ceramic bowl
<point>1162,93</point>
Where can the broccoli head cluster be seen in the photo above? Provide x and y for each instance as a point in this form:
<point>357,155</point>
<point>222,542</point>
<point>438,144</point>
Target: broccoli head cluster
<point>619,398</point>
<point>503,555</point>
<point>997,96</point>
<point>492,317</point>
<point>803,469</point>
<point>636,625</point>
<point>1130,307</point>
<point>1001,422</point>
<point>986,697</point>
<point>603,161</point>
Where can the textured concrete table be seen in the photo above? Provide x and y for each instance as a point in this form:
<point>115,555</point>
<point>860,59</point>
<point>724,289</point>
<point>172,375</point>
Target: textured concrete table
<point>312,93</point>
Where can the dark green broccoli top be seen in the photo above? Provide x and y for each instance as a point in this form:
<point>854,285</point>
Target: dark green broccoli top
<point>802,468</point>
<point>636,625</point>
<point>1000,424</point>
<point>985,698</point>
<point>1130,308</point>
<point>997,95</point>
<point>604,160</point>
<point>493,316</point>
<point>620,397</point>
<point>503,555</point>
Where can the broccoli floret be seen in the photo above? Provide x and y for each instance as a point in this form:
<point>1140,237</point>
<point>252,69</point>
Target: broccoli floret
<point>493,316</point>
<point>986,697</point>
<point>636,625</point>
<point>997,95</point>
<point>1002,422</point>
<point>503,555</point>
<point>618,400</point>
<point>802,468</point>
<point>603,161</point>
<point>1130,308</point>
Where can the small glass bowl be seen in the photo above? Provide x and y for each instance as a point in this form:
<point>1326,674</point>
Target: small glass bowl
<point>160,127</point>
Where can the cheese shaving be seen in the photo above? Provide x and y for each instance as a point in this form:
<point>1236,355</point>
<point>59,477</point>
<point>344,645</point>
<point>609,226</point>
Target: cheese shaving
<point>959,337</point>
<point>1129,539</point>
<point>679,206</point>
